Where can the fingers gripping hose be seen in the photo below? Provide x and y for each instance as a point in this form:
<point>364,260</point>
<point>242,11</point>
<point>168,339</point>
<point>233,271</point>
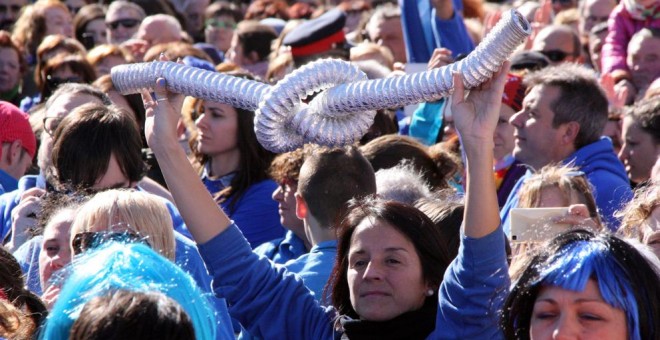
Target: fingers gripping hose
<point>344,109</point>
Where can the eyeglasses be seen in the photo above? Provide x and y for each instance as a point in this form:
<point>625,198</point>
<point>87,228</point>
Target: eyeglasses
<point>556,55</point>
<point>220,24</point>
<point>51,124</point>
<point>126,23</point>
<point>91,240</point>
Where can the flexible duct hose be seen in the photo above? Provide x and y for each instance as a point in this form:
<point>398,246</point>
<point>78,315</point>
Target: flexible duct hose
<point>344,110</point>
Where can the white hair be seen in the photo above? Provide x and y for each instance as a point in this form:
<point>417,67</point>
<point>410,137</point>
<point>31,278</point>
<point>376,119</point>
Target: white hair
<point>402,183</point>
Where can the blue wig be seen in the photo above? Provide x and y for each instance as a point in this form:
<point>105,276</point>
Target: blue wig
<point>133,267</point>
<point>577,262</point>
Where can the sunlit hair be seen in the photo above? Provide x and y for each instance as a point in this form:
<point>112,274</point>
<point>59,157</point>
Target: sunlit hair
<point>389,150</point>
<point>134,267</point>
<point>646,114</point>
<point>77,64</point>
<point>94,133</point>
<point>286,166</point>
<point>640,208</point>
<point>15,323</point>
<point>371,51</point>
<point>145,213</point>
<point>571,182</point>
<point>402,183</point>
<point>406,220</point>
<point>581,99</point>
<point>30,27</point>
<point>100,52</point>
<point>51,46</point>
<point>625,278</point>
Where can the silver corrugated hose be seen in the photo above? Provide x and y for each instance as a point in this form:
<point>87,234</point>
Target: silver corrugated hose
<point>344,109</point>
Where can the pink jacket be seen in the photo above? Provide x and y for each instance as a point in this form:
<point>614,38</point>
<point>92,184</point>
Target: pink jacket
<point>621,27</point>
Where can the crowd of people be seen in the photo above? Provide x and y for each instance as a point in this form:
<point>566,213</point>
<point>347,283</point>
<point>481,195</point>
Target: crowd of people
<point>526,208</point>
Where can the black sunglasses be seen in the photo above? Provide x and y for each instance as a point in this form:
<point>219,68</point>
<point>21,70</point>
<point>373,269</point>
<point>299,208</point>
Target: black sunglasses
<point>555,55</point>
<point>126,23</point>
<point>92,240</point>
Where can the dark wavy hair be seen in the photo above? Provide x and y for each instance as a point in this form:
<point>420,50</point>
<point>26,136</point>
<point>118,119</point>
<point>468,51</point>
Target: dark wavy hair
<point>407,220</point>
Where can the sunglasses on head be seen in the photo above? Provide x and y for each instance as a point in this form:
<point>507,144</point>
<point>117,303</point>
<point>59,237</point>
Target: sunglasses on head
<point>126,23</point>
<point>91,240</point>
<point>555,55</point>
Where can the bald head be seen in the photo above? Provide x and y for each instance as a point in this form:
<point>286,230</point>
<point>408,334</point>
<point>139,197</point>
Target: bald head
<point>160,29</point>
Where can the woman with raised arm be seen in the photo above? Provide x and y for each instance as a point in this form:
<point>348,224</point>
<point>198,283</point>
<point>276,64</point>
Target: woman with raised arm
<point>389,262</point>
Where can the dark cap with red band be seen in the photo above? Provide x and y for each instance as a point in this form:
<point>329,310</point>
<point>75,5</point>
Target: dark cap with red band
<point>318,35</point>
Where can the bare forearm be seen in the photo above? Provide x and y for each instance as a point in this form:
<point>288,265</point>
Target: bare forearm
<point>482,216</point>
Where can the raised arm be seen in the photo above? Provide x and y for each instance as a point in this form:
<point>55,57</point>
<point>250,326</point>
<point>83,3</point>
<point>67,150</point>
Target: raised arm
<point>203,216</point>
<point>475,118</point>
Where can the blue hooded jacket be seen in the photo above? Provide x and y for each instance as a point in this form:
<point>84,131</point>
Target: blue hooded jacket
<point>605,173</point>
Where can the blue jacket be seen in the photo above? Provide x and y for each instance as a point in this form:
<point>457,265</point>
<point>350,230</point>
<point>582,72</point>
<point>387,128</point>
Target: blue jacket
<point>282,250</point>
<point>9,200</point>
<point>275,304</point>
<point>605,173</point>
<point>7,182</point>
<point>423,31</point>
<point>255,211</point>
<point>315,267</point>
<point>186,254</point>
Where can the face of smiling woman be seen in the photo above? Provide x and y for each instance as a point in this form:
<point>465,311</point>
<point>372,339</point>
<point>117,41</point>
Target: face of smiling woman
<point>384,272</point>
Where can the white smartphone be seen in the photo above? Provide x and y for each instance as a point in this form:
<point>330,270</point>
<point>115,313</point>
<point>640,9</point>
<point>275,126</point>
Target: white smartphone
<point>535,224</point>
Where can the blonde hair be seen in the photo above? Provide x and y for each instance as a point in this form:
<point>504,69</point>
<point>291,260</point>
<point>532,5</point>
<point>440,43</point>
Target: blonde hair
<point>638,210</point>
<point>145,213</point>
<point>571,182</point>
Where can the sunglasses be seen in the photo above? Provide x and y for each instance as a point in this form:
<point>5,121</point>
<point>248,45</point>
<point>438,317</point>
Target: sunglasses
<point>126,23</point>
<point>220,24</point>
<point>91,240</point>
<point>555,55</point>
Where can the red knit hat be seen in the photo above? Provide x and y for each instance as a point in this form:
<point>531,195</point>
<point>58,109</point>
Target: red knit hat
<point>15,125</point>
<point>514,92</point>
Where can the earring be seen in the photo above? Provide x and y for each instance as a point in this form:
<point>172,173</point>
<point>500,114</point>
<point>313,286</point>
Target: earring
<point>429,292</point>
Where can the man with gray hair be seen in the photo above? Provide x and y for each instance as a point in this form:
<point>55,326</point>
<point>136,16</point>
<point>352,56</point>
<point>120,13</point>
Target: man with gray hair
<point>561,121</point>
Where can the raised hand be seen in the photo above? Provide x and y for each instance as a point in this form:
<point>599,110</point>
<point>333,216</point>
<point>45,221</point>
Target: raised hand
<point>476,115</point>
<point>24,217</point>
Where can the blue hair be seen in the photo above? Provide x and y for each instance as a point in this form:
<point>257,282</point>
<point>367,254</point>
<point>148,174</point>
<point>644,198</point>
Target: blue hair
<point>577,262</point>
<point>134,267</point>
